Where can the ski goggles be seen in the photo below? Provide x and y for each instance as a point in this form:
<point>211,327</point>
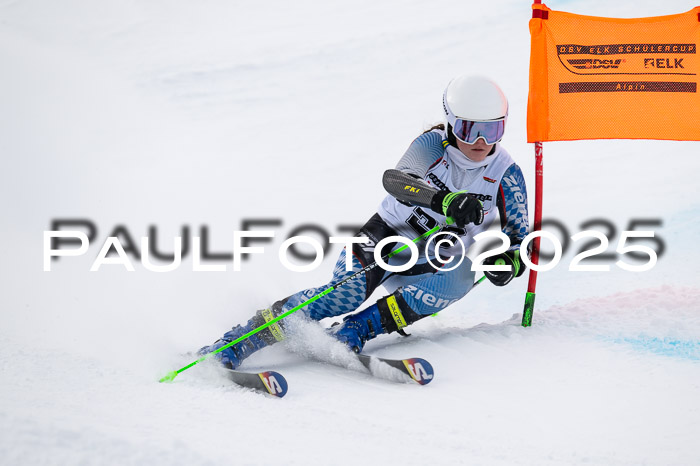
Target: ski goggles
<point>469,131</point>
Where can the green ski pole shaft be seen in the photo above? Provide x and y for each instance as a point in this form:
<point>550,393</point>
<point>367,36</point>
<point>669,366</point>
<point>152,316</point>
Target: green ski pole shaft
<point>170,376</point>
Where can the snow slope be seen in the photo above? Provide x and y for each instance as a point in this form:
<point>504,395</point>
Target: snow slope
<point>178,114</point>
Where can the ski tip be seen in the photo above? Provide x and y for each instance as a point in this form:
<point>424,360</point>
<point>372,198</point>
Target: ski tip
<point>169,377</point>
<point>274,382</point>
<point>420,370</point>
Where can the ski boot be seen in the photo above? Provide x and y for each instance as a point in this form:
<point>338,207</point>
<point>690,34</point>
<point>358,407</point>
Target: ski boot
<point>389,314</point>
<point>233,356</point>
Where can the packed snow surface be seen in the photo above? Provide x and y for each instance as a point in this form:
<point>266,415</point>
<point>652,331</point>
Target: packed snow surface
<point>183,115</point>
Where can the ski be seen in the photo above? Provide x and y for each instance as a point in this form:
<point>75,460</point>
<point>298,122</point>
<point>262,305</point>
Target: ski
<point>269,382</point>
<point>419,370</point>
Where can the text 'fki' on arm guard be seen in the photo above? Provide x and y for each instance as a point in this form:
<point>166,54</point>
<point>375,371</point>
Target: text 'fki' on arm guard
<point>408,188</point>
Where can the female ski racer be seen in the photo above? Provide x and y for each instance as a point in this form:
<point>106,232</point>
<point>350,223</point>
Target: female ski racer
<point>458,170</point>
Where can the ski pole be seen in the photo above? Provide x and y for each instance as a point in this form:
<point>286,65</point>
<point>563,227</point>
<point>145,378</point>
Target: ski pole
<point>170,376</point>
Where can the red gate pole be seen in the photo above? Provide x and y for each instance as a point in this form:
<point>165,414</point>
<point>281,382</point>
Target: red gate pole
<point>535,256</point>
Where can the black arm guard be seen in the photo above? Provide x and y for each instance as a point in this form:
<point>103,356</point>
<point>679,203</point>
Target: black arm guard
<point>409,189</point>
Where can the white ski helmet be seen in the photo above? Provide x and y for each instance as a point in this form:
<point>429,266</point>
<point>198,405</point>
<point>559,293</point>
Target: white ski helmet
<point>475,107</point>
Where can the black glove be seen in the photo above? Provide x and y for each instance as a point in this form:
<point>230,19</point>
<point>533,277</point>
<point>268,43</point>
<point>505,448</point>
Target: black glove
<point>459,208</point>
<point>511,258</point>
